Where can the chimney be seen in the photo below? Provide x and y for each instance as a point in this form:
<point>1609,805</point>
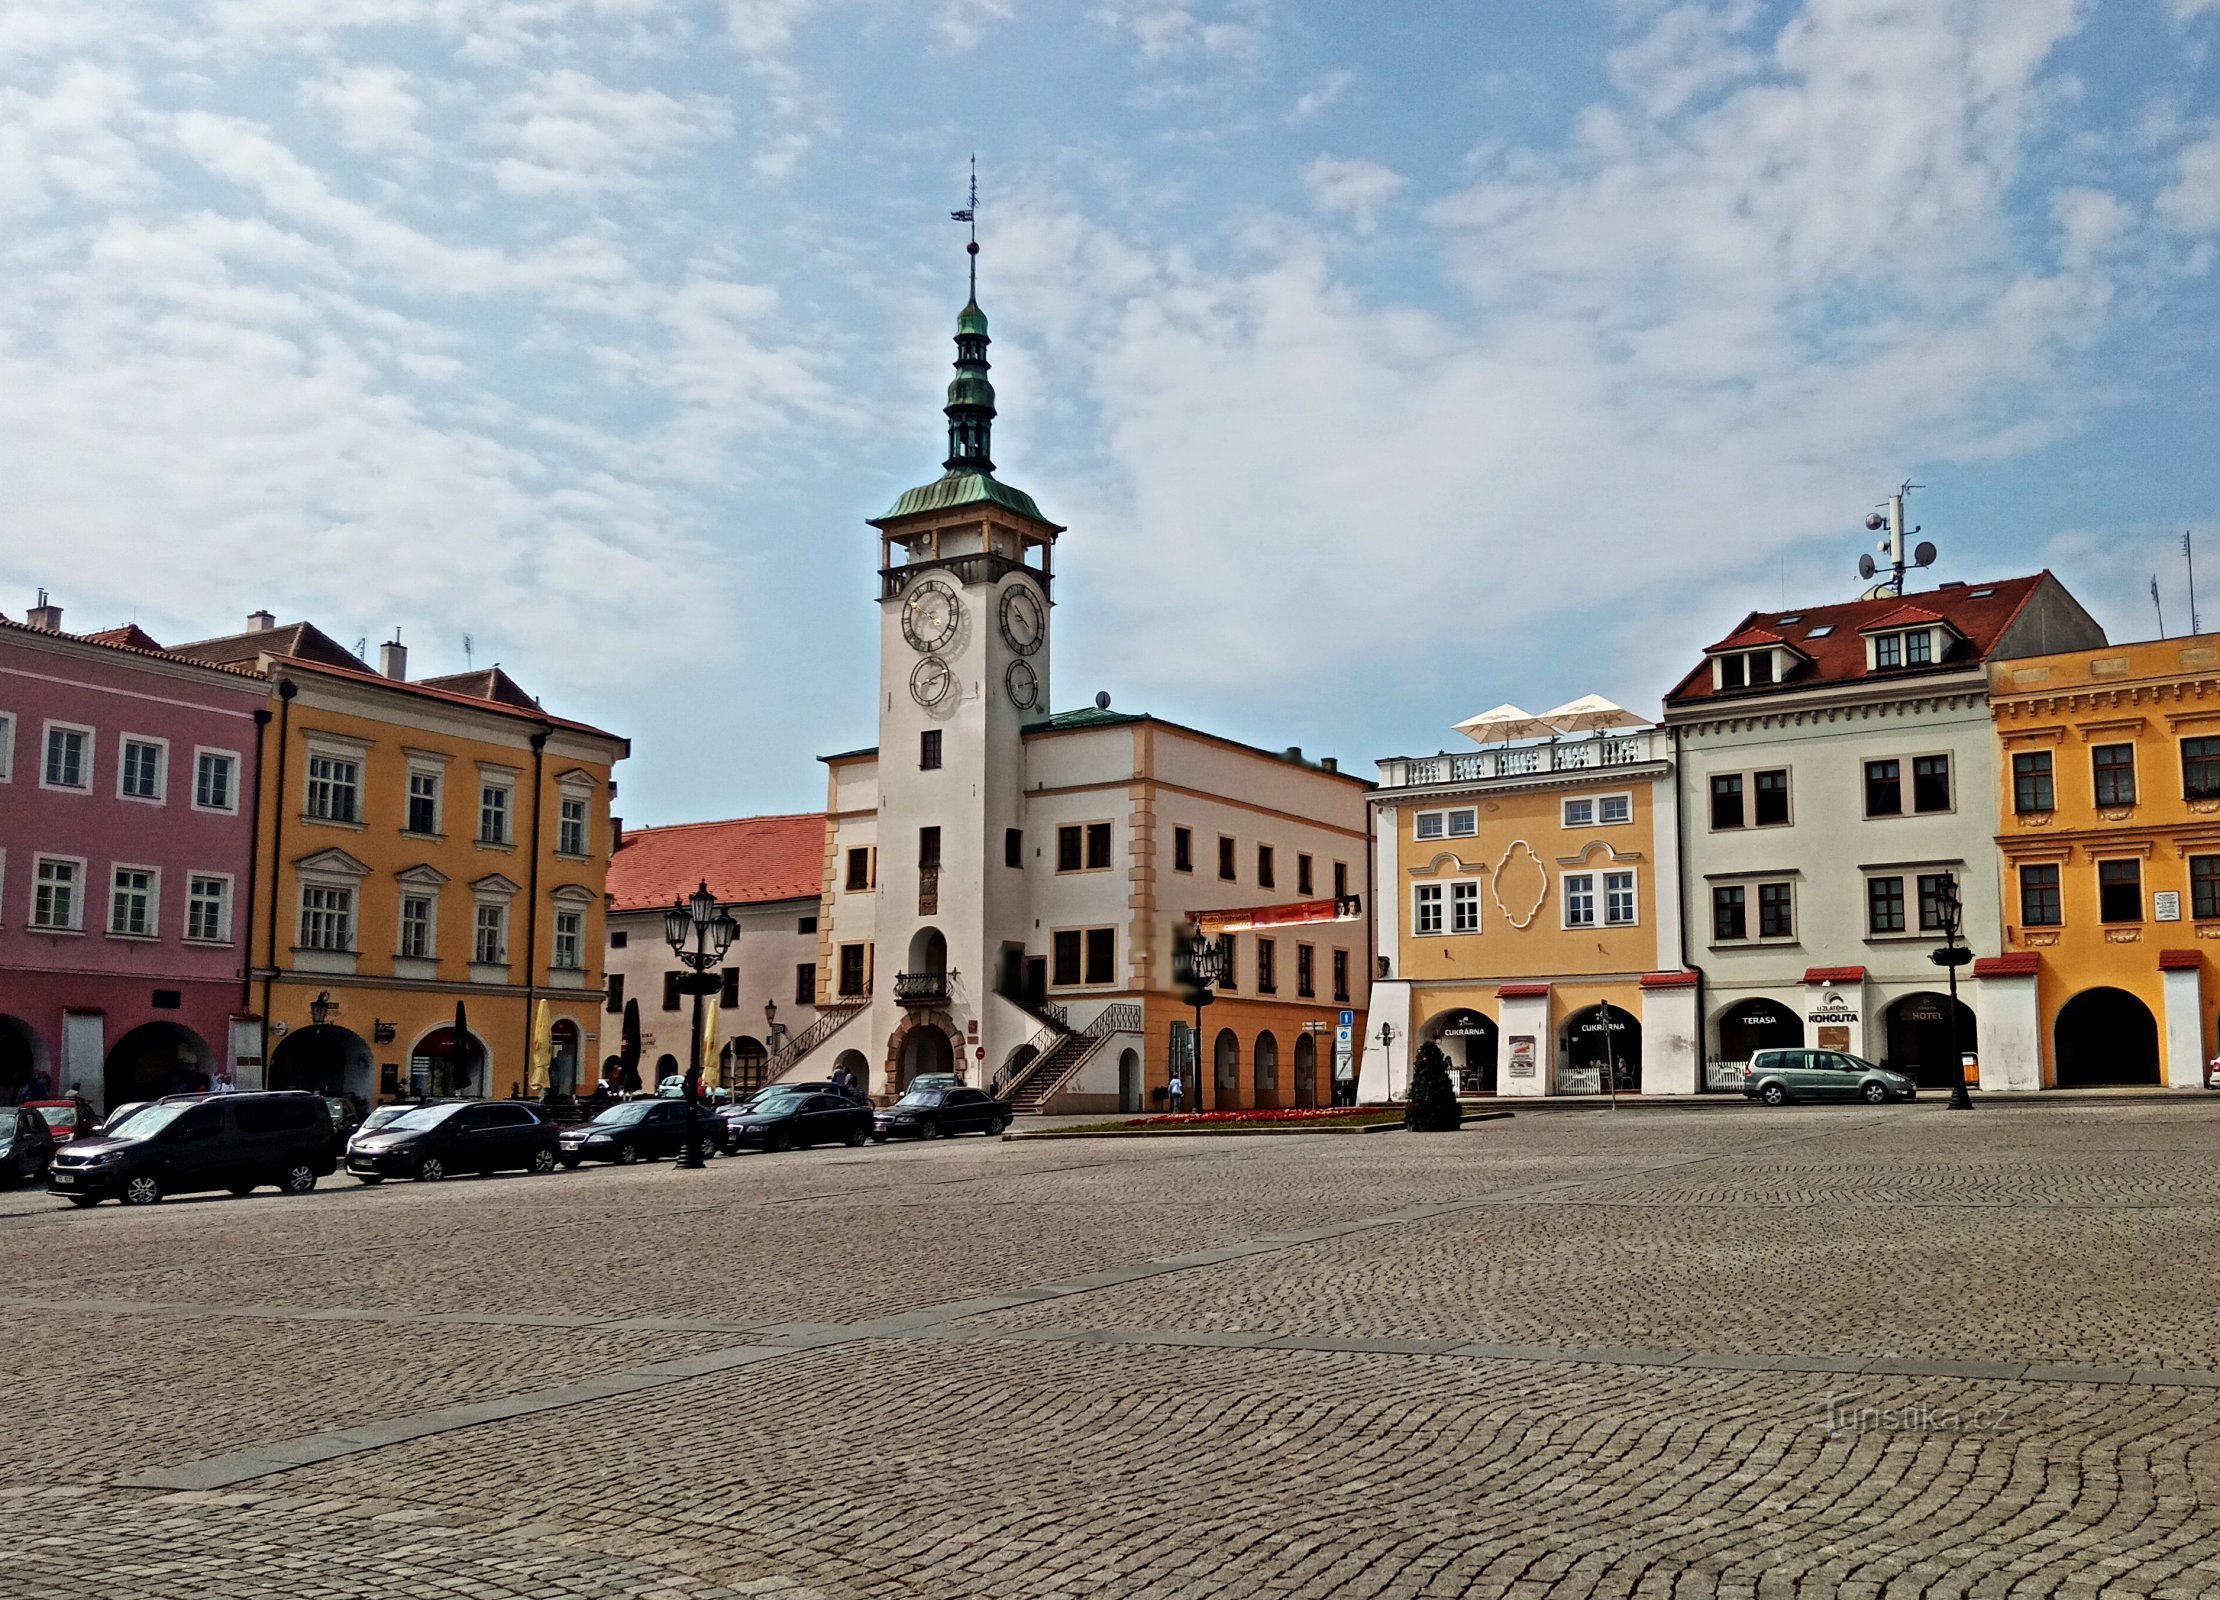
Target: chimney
<point>616,834</point>
<point>1329,763</point>
<point>1294,753</point>
<point>45,618</point>
<point>393,659</point>
<point>260,622</point>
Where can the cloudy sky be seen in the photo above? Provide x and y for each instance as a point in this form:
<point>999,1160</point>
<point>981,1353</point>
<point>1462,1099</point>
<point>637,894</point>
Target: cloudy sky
<point>1385,361</point>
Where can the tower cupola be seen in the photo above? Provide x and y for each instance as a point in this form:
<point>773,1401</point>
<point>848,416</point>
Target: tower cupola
<point>971,397</point>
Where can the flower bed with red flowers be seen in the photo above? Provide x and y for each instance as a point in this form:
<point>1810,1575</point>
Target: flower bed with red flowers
<point>1200,1119</point>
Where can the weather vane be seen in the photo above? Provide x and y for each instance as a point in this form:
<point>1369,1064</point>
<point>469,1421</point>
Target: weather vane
<point>970,214</point>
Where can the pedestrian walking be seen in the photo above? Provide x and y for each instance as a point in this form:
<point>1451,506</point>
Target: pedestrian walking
<point>1177,1088</point>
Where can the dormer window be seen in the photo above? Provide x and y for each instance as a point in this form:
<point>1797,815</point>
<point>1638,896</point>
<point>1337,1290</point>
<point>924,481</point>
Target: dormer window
<point>1914,647</point>
<point>1746,669</point>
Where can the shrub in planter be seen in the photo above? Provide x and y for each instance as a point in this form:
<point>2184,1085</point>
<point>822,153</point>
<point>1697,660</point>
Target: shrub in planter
<point>1433,1107</point>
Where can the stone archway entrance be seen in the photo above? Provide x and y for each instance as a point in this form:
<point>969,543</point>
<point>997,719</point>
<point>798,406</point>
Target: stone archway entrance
<point>1129,1080</point>
<point>1225,1085</point>
<point>1592,1040</point>
<point>1306,1070</point>
<point>920,1046</point>
<point>562,1069</point>
<point>1468,1038</point>
<point>1264,1073</point>
<point>2104,1036</point>
<point>155,1059</point>
<point>1919,1038</point>
<point>441,1066</point>
<point>325,1060</point>
<point>19,1058</point>
<point>1749,1026</point>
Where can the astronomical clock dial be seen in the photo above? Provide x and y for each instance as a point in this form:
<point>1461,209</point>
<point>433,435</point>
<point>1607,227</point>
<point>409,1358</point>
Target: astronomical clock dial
<point>1023,684</point>
<point>930,681</point>
<point>1023,625</point>
<point>930,616</point>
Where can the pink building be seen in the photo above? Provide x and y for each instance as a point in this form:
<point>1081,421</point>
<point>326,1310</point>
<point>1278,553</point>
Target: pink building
<point>126,852</point>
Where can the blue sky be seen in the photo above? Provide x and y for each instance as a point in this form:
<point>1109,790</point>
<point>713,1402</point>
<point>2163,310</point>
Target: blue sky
<point>1385,362</point>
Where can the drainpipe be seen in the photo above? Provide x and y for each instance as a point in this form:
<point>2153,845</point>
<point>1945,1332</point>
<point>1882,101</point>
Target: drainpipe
<point>286,689</point>
<point>254,863</point>
<point>1680,850</point>
<point>532,902</point>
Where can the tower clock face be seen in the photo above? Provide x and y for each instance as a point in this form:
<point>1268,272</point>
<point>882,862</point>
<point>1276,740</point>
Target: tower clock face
<point>1024,685</point>
<point>930,616</point>
<point>930,681</point>
<point>1023,624</point>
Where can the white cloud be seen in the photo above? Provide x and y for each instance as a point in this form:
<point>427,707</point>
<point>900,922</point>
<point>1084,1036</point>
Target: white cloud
<point>1321,94</point>
<point>963,24</point>
<point>1171,29</point>
<point>2191,201</point>
<point>568,133</point>
<point>74,142</point>
<point>375,107</point>
<point>2187,11</point>
<point>1355,189</point>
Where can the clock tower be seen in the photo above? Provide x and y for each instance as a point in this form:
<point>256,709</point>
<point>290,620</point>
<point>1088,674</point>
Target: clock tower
<point>965,574</point>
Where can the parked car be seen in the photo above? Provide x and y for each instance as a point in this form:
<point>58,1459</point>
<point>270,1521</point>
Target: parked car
<point>381,1116</point>
<point>429,1142</point>
<point>26,1145</point>
<point>638,1130</point>
<point>61,1118</point>
<point>186,1144</point>
<point>798,1118</point>
<point>933,1080</point>
<point>119,1115</point>
<point>1777,1076</point>
<point>933,1112</point>
<point>673,1087</point>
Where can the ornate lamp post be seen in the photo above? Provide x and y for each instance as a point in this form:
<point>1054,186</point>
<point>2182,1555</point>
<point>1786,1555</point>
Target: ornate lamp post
<point>712,932</point>
<point>1951,957</point>
<point>1387,1067</point>
<point>1206,965</point>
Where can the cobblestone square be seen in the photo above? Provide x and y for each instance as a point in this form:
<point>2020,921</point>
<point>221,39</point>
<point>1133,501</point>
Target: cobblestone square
<point>1700,1350</point>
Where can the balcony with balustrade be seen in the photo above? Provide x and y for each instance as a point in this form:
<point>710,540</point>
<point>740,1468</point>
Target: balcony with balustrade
<point>1512,763</point>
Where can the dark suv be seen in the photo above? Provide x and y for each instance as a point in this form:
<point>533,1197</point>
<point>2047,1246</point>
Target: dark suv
<point>428,1142</point>
<point>183,1145</point>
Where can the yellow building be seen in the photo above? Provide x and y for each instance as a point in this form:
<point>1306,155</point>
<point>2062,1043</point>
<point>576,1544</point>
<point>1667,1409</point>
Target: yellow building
<point>419,847</point>
<point>1527,908</point>
<point>2109,770</point>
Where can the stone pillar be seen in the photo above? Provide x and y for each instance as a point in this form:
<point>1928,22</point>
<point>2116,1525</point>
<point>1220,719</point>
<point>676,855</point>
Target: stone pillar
<point>1383,1071</point>
<point>1672,1034</point>
<point>1522,1012</point>
<point>2011,1034</point>
<point>2182,1035</point>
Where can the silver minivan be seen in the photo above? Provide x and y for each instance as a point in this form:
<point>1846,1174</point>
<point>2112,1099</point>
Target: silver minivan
<point>1778,1076</point>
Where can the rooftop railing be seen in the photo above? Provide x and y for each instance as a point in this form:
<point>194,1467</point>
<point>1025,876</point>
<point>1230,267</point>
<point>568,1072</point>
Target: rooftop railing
<point>1522,760</point>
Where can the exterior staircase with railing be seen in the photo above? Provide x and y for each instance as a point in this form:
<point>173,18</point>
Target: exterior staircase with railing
<point>1060,1051</point>
<point>830,1020</point>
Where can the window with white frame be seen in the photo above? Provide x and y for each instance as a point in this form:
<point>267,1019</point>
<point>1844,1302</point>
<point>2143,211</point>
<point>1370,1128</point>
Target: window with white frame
<point>1580,813</point>
<point>1580,899</point>
<point>327,916</point>
<point>139,774</point>
<point>423,800</point>
<point>1461,823</point>
<point>493,813</point>
<point>570,939</point>
<point>131,909</point>
<point>334,789</point>
<point>416,927</point>
<point>1598,811</point>
<point>215,780</point>
<point>68,757</point>
<point>491,945</point>
<point>1619,909</point>
<point>57,885</point>
<point>208,908</point>
<point>1426,908</point>
<point>570,826</point>
<point>1464,906</point>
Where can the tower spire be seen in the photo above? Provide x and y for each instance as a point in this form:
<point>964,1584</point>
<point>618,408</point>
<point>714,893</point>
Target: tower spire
<point>970,395</point>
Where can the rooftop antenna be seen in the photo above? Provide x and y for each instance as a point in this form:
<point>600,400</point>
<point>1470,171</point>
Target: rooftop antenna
<point>970,215</point>
<point>2159,604</point>
<point>1922,554</point>
<point>468,664</point>
<point>2190,556</point>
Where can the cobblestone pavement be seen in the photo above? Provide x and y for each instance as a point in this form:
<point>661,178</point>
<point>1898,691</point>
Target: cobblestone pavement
<point>1648,1352</point>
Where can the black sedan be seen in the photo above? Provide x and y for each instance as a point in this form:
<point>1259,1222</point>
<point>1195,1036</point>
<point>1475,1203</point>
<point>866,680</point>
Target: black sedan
<point>26,1146</point>
<point>796,1118</point>
<point>639,1130</point>
<point>933,1112</point>
<point>430,1142</point>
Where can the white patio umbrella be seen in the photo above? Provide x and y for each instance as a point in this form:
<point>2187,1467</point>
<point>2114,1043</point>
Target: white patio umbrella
<point>1505,723</point>
<point>1591,713</point>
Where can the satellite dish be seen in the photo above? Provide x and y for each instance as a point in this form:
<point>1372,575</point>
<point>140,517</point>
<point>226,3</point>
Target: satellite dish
<point>1865,566</point>
<point>1102,699</point>
<point>1873,522</point>
<point>1923,553</point>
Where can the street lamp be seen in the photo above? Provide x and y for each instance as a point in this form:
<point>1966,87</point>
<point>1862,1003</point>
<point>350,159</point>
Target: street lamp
<point>1950,958</point>
<point>1387,1064</point>
<point>712,932</point>
<point>1204,962</point>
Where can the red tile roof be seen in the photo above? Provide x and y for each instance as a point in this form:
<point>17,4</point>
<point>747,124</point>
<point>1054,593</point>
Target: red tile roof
<point>1521,991</point>
<point>302,640</point>
<point>2012,964</point>
<point>2180,960</point>
<point>1978,613</point>
<point>1904,616</point>
<point>1669,980</point>
<point>1746,639</point>
<point>131,636</point>
<point>1832,976</point>
<point>745,861</point>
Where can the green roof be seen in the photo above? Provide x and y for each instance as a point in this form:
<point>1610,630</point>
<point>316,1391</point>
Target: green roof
<point>964,489</point>
<point>971,320</point>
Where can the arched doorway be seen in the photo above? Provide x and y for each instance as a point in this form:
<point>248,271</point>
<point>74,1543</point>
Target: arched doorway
<point>155,1059</point>
<point>1226,1072</point>
<point>1129,1080</point>
<point>1468,1038</point>
<point>1919,1037</point>
<point>857,1066</point>
<point>1749,1026</point>
<point>928,953</point>
<point>20,1058</point>
<point>326,1060</point>
<point>742,1064</point>
<point>1264,1072</point>
<point>925,1050</point>
<point>666,1066</point>
<point>443,1067</point>
<point>1593,1040</point>
<point>1306,1070</point>
<point>562,1067</point>
<point>2104,1036</point>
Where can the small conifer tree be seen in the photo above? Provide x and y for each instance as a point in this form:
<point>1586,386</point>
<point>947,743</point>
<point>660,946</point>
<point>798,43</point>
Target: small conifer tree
<point>1433,1106</point>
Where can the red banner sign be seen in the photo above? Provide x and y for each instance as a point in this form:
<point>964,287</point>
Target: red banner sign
<point>1349,908</point>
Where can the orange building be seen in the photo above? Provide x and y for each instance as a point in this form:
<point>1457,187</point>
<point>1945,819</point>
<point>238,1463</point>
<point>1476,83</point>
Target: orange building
<point>2109,770</point>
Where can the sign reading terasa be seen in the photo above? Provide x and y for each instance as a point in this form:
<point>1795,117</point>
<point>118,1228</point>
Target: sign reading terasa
<point>1348,908</point>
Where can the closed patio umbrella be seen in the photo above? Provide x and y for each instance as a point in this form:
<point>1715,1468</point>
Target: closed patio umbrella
<point>628,1060</point>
